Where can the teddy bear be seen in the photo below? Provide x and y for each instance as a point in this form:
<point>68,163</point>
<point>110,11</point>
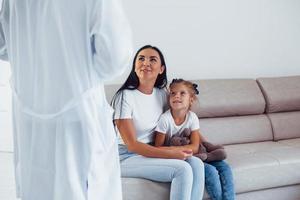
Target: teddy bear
<point>208,152</point>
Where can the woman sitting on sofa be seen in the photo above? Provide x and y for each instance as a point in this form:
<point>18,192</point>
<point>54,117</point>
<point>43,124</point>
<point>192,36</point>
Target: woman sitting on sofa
<point>138,105</point>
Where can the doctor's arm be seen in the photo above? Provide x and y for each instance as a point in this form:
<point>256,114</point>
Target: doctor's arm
<point>111,41</point>
<point>127,131</point>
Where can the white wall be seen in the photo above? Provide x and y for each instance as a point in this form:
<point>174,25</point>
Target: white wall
<point>204,40</point>
<point>220,39</point>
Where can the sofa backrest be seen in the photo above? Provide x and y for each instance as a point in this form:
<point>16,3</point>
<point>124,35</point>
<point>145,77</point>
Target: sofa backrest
<point>236,130</point>
<point>228,97</point>
<point>282,96</point>
<point>231,111</point>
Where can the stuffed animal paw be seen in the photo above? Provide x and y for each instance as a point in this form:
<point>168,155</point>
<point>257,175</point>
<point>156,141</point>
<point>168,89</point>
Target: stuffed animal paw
<point>210,147</point>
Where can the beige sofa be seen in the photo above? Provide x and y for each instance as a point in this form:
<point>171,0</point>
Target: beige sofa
<point>258,121</point>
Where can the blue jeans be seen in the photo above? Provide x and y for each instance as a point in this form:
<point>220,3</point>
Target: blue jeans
<point>219,181</point>
<point>186,177</point>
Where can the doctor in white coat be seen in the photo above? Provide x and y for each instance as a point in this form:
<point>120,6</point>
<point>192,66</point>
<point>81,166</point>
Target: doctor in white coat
<point>61,52</point>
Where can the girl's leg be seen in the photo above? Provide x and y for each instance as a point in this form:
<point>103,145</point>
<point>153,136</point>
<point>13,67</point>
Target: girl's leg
<point>212,182</point>
<point>226,179</point>
<point>163,170</point>
<point>198,177</point>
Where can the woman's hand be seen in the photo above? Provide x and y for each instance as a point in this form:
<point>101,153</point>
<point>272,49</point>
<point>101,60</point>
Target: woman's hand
<point>181,154</point>
<point>128,134</point>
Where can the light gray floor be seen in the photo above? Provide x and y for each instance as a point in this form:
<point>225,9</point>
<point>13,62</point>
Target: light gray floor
<point>7,180</point>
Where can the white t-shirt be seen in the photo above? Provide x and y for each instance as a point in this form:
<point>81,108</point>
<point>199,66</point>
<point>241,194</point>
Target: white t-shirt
<point>166,124</point>
<point>143,109</point>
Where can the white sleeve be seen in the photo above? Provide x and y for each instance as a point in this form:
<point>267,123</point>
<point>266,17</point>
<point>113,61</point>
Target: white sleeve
<point>111,39</point>
<point>162,125</point>
<point>122,107</point>
<point>194,122</point>
<point>3,49</point>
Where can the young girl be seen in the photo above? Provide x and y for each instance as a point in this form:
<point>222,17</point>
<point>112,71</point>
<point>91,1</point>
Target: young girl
<point>175,122</point>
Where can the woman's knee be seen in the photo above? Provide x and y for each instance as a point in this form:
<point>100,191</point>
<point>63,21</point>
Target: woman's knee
<point>184,169</point>
<point>196,163</point>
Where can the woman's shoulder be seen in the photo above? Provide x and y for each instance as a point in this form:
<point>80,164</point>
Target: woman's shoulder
<point>125,93</point>
<point>136,94</point>
<point>121,96</point>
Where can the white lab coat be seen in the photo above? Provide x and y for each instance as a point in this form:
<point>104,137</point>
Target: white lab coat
<point>60,52</point>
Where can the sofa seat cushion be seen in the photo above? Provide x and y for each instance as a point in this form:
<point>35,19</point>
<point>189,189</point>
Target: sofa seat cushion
<point>263,165</point>
<point>295,143</point>
<point>256,166</point>
<point>141,189</point>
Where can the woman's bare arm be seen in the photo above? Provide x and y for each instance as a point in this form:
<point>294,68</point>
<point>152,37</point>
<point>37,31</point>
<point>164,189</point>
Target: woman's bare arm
<point>195,139</point>
<point>128,134</point>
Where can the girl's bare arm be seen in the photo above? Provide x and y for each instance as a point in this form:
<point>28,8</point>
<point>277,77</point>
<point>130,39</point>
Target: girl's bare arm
<point>159,139</point>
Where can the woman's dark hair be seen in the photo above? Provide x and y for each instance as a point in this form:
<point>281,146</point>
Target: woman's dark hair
<point>133,82</point>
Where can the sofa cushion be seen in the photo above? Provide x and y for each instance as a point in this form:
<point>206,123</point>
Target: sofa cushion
<point>229,97</point>
<point>232,130</point>
<point>290,192</point>
<point>281,94</point>
<point>258,166</point>
<point>139,189</point>
<point>285,125</point>
<point>295,143</point>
